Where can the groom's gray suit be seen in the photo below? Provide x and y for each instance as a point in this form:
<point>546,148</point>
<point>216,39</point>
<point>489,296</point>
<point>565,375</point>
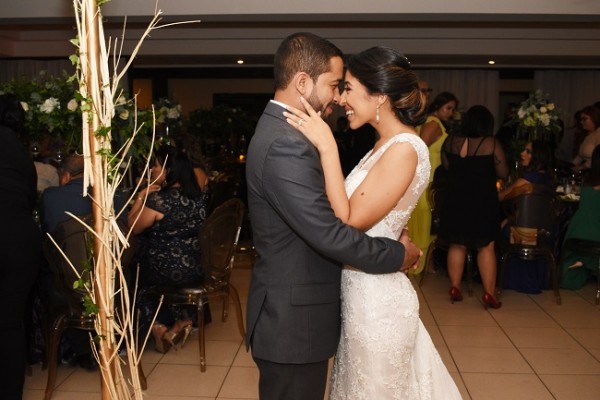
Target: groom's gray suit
<point>293,314</point>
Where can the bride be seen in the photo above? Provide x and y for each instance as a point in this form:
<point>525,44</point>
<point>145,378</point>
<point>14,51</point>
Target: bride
<point>385,351</point>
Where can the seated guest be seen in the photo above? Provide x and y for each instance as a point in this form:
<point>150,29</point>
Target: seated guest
<point>585,224</point>
<point>168,215</point>
<point>535,161</point>
<point>45,166</point>
<point>55,203</point>
<point>47,176</point>
<point>570,142</point>
<point>590,120</point>
<point>521,275</point>
<point>66,197</point>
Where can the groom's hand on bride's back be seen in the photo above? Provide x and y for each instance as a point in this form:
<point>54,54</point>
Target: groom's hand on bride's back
<point>412,252</point>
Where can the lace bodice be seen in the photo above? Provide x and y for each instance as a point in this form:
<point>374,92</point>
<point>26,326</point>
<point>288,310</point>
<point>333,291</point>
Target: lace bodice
<point>391,225</point>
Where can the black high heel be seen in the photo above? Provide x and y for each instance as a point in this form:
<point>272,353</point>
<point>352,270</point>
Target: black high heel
<point>490,301</point>
<point>455,294</point>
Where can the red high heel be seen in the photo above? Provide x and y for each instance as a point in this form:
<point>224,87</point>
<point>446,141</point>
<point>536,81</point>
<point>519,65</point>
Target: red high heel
<point>490,301</point>
<point>455,294</point>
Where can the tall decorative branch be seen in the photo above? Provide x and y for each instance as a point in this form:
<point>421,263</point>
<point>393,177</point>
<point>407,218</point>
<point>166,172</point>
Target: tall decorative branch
<point>115,327</point>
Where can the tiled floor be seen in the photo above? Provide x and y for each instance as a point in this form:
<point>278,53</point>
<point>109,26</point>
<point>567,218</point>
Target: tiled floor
<point>529,349</point>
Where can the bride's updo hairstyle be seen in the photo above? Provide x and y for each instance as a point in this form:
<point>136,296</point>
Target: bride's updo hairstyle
<point>383,70</point>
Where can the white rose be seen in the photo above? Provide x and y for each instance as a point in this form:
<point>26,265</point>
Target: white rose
<point>25,106</point>
<point>543,110</point>
<point>49,105</point>
<point>550,106</point>
<point>545,119</point>
<point>521,113</point>
<point>124,114</point>
<point>120,101</point>
<point>72,105</point>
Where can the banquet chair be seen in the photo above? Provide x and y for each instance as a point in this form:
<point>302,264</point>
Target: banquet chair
<point>65,308</point>
<point>533,220</point>
<point>584,247</point>
<point>218,238</point>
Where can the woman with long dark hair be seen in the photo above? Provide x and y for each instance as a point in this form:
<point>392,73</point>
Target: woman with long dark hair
<point>169,222</point>
<point>535,159</point>
<point>20,245</point>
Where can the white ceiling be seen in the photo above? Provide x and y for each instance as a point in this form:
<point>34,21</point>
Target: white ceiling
<point>432,33</point>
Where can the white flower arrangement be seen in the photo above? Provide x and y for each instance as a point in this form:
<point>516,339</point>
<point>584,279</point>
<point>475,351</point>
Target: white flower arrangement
<point>168,112</point>
<point>51,108</point>
<point>537,117</point>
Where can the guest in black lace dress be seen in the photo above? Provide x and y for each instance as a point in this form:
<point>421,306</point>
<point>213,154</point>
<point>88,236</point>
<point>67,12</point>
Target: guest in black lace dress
<point>20,246</point>
<point>168,225</point>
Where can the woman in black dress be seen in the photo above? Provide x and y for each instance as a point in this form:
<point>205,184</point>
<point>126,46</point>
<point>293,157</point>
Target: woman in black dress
<point>470,215</point>
<point>20,246</point>
<point>169,224</point>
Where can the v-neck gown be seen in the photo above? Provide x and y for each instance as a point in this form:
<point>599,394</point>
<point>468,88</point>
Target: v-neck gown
<point>385,351</point>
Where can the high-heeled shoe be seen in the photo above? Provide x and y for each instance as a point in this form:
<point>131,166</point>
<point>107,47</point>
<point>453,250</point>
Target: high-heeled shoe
<point>490,301</point>
<point>164,342</point>
<point>455,294</point>
<point>170,338</point>
<point>183,334</point>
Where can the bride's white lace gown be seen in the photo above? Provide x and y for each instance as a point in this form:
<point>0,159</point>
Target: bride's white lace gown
<point>385,351</point>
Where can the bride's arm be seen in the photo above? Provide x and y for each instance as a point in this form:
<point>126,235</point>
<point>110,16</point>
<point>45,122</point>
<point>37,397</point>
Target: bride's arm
<point>385,184</point>
<point>379,192</point>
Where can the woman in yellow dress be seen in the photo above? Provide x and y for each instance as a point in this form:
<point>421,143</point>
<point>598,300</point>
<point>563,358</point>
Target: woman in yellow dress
<point>433,132</point>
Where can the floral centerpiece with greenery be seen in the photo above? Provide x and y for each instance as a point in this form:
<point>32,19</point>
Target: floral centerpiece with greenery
<point>52,107</point>
<point>537,119</point>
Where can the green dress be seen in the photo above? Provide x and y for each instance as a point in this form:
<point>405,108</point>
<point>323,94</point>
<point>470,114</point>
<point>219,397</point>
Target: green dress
<point>419,225</point>
<point>585,224</point>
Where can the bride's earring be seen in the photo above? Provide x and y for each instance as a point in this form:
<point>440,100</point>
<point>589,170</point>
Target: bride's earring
<point>377,114</point>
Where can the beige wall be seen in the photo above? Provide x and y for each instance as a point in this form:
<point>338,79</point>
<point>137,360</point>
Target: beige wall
<point>249,8</point>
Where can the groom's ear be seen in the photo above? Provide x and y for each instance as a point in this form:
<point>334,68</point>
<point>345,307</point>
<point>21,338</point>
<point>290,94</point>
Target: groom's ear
<point>303,83</point>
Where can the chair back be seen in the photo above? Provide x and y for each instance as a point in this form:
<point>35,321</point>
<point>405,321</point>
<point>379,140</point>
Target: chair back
<point>535,214</point>
<point>218,238</point>
<point>535,210</point>
<point>74,240</point>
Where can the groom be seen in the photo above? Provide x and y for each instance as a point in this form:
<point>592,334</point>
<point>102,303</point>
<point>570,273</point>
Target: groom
<point>293,315</point>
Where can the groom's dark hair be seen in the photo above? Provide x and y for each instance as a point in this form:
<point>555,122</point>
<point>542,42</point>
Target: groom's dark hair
<point>303,52</point>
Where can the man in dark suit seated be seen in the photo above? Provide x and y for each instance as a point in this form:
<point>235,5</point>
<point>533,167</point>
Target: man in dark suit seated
<point>55,202</point>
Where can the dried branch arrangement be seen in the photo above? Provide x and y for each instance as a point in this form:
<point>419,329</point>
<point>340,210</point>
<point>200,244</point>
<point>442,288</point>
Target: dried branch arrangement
<point>109,300</point>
